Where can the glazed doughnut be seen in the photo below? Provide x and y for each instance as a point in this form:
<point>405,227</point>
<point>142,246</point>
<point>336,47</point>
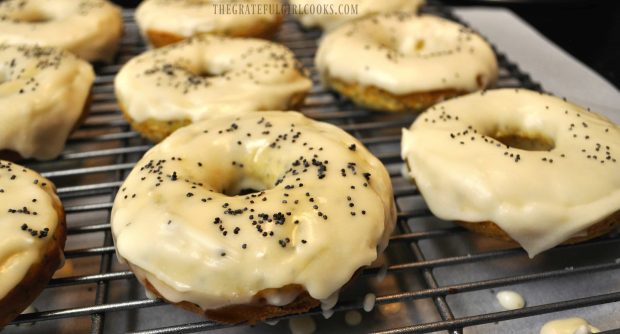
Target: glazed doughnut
<point>44,93</point>
<point>397,62</point>
<point>518,165</point>
<point>329,14</point>
<point>207,76</point>
<point>164,22</point>
<point>90,29</point>
<point>32,226</point>
<point>322,208</point>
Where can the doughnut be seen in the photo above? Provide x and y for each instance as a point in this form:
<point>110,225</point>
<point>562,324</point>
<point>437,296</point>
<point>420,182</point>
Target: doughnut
<point>255,216</point>
<point>164,22</point>
<point>32,226</point>
<point>207,76</point>
<point>518,165</point>
<point>90,29</point>
<point>399,62</point>
<point>329,14</point>
<point>44,94</point>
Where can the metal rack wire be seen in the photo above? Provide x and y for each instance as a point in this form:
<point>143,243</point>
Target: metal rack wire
<point>422,262</point>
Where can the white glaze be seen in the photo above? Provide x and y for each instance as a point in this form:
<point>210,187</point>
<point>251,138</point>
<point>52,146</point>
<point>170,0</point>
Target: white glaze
<point>150,295</point>
<point>19,249</point>
<point>369,302</point>
<point>404,172</point>
<point>540,198</point>
<point>302,325</point>
<point>510,300</point>
<point>311,17</point>
<point>353,318</point>
<point>187,18</point>
<point>383,51</point>
<point>568,326</point>
<point>281,298</point>
<point>196,262</point>
<point>89,29</point>
<point>42,95</point>
<point>259,75</point>
<point>583,329</point>
<point>329,302</point>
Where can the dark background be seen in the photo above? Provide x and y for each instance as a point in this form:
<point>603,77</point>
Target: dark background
<point>587,29</point>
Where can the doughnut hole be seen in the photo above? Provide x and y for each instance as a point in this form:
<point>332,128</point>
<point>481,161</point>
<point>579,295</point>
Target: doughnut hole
<point>203,71</point>
<point>209,73</point>
<point>480,81</point>
<point>243,177</point>
<point>523,140</point>
<point>38,19</point>
<point>244,185</point>
<point>32,16</point>
<point>420,44</point>
<point>209,65</point>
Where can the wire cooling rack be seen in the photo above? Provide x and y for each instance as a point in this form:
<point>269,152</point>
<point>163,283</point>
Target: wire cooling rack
<point>434,277</point>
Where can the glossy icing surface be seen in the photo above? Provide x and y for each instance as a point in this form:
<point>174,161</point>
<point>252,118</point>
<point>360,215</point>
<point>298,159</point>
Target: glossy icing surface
<point>406,53</point>
<point>89,29</point>
<point>333,13</point>
<point>191,17</point>
<point>209,75</point>
<point>568,326</point>
<point>369,302</point>
<point>539,197</point>
<point>28,220</point>
<point>510,300</point>
<point>42,95</point>
<point>323,209</point>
